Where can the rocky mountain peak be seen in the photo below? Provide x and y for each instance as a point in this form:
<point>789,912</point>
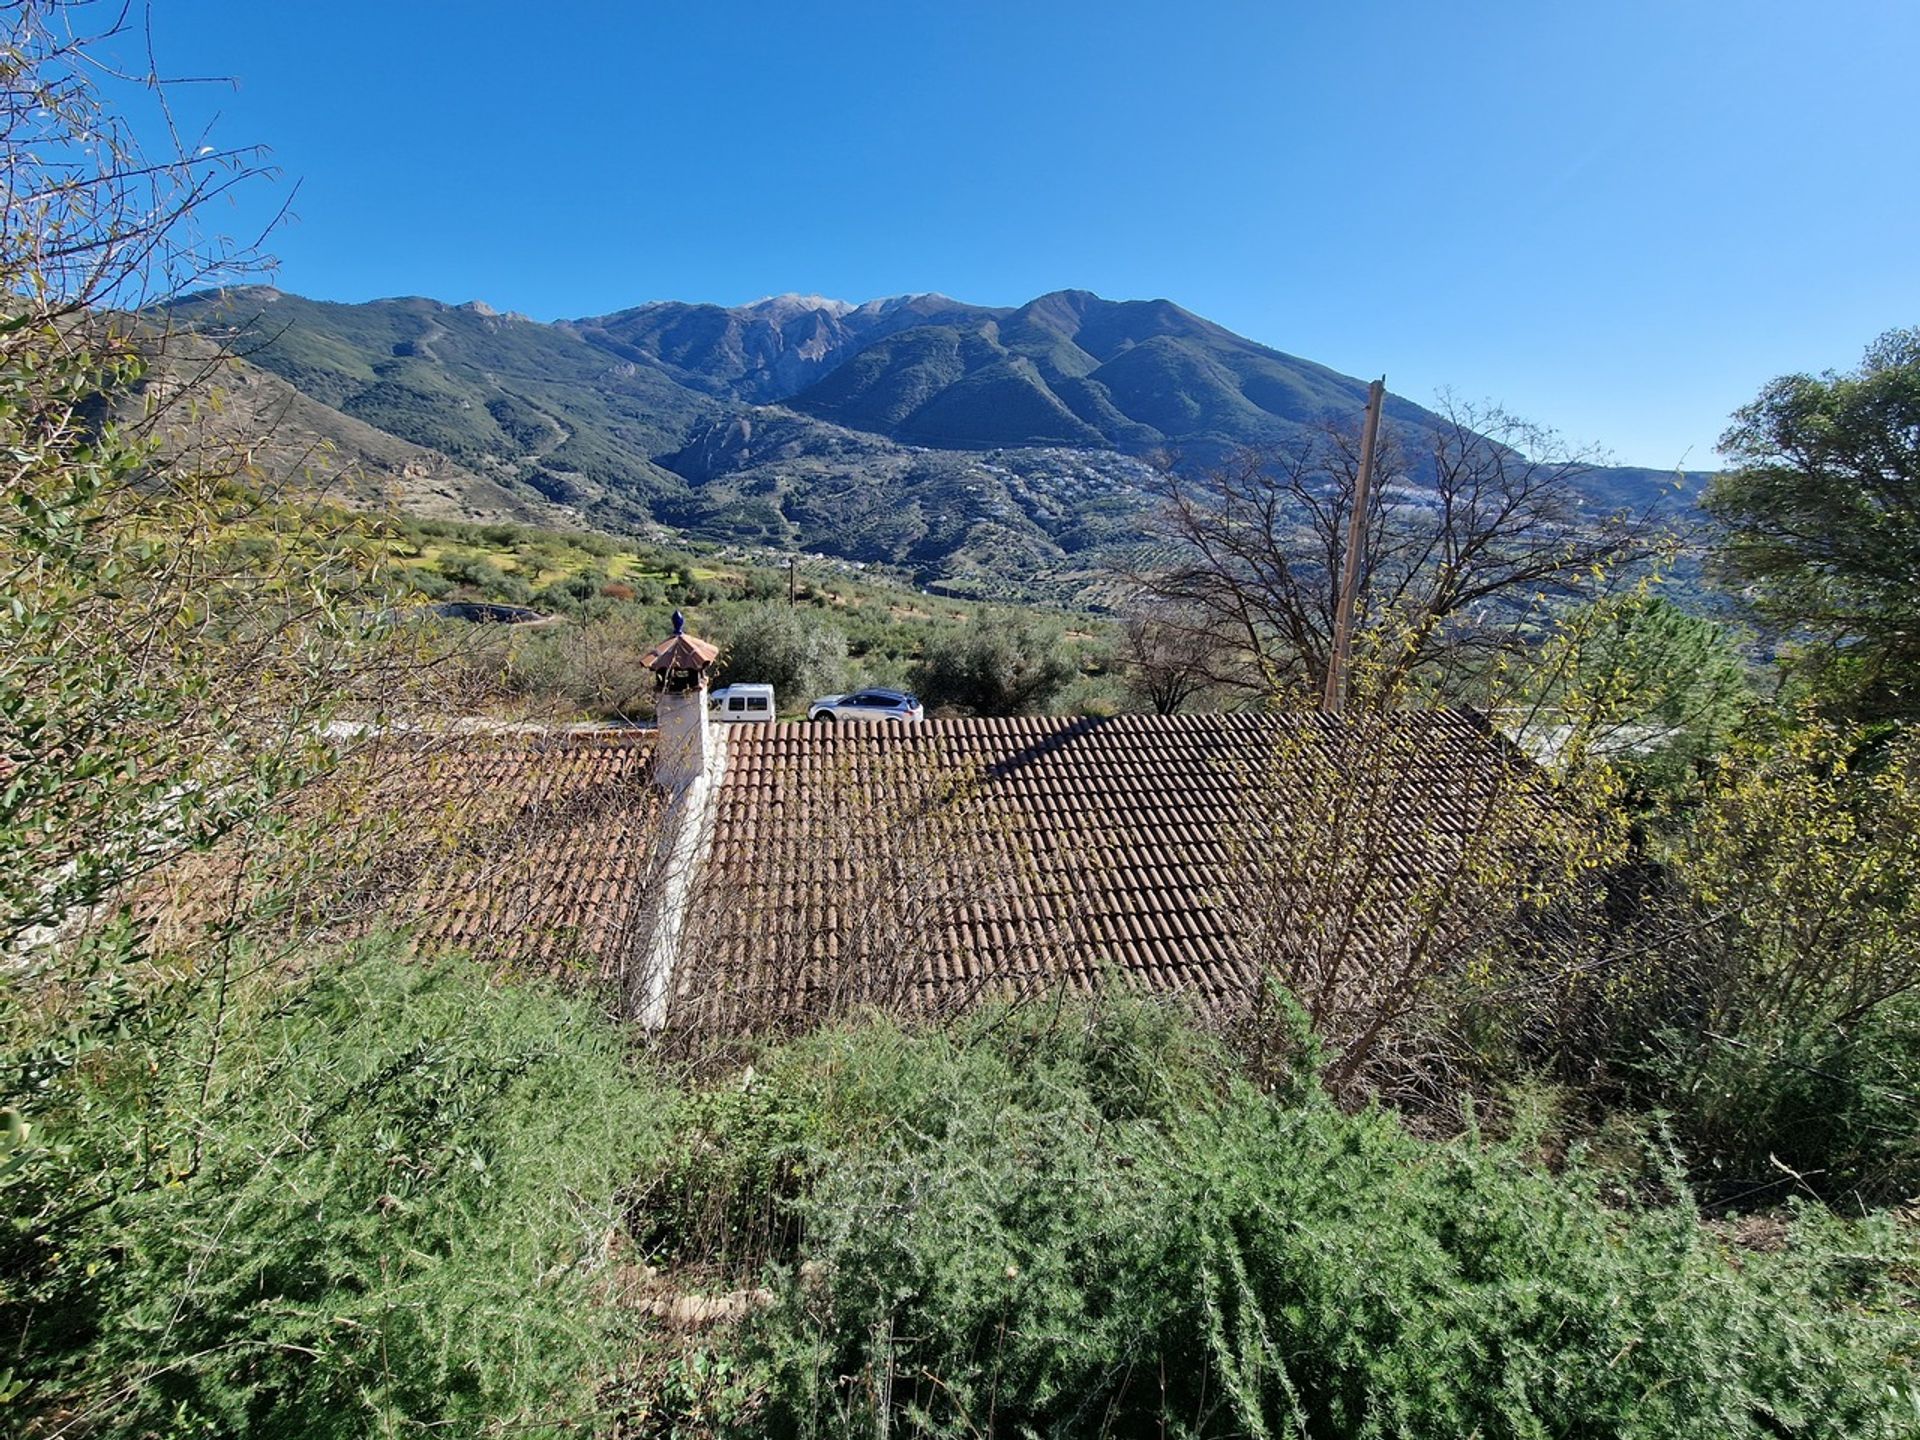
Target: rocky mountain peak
<point>783,307</point>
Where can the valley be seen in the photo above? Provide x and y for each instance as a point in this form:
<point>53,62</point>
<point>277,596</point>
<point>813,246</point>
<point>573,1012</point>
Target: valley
<point>982,451</point>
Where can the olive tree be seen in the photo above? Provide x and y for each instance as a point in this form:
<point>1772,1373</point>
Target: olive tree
<point>1013,668</point>
<point>776,645</point>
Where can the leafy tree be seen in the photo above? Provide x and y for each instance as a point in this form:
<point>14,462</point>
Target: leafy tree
<point>1657,690</point>
<point>773,644</point>
<point>169,653</point>
<point>484,577</point>
<point>1017,668</point>
<point>569,592</point>
<point>1820,517</point>
<point>595,665</point>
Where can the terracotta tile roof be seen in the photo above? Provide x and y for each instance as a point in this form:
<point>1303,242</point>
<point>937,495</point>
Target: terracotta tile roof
<point>532,850</point>
<point>925,865</point>
<point>542,851</point>
<point>916,867</point>
<point>681,652</point>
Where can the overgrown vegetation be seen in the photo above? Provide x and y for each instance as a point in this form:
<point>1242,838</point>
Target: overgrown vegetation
<point>1611,1137</point>
<point>1084,1221</point>
<point>1784,972</point>
<point>375,1195</point>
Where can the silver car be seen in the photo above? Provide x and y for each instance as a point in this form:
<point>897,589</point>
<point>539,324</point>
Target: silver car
<point>867,705</point>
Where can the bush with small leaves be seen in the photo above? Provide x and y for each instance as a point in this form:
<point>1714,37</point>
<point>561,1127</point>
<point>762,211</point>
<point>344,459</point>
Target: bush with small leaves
<point>1010,668</point>
<point>1068,1220</point>
<point>379,1200</point>
<point>775,645</point>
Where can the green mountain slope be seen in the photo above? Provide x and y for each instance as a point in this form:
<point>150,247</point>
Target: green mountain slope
<point>957,439</point>
<point>1072,369</point>
<point>531,407</point>
<point>293,444</point>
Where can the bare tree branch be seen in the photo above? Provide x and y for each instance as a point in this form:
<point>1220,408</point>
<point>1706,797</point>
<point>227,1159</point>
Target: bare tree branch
<point>1472,528</point>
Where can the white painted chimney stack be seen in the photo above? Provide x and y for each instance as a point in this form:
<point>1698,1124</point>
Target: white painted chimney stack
<point>684,748</point>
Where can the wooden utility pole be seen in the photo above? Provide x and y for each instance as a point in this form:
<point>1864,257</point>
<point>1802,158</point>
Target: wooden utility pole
<point>793,581</point>
<point>1342,647</point>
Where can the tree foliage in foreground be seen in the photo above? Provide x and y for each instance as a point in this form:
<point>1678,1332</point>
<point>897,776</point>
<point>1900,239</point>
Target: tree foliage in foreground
<point>169,655</point>
<point>376,1200</point>
<point>1821,522</point>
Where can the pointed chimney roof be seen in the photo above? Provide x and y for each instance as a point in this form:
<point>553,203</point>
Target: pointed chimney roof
<point>683,653</point>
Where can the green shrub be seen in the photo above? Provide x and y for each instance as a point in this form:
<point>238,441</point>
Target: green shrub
<point>463,567</point>
<point>594,665</point>
<point>775,645</point>
<point>422,581</point>
<point>1006,668</point>
<point>1805,1106</point>
<point>376,1201</point>
<point>1079,1221</point>
<point>568,593</point>
<point>1772,1013</point>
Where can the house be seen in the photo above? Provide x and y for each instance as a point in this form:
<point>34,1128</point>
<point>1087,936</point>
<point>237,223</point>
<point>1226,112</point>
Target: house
<point>804,869</point>
<point>756,877</point>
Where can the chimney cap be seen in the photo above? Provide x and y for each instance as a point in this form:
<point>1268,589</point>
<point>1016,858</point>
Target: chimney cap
<point>683,654</point>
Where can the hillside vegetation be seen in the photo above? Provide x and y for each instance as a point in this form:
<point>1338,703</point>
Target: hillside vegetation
<point>810,628</point>
<point>994,448</point>
<point>432,1200</point>
<point>1614,1134</point>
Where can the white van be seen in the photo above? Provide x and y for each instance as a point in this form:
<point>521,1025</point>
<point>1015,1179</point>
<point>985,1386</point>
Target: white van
<point>741,704</point>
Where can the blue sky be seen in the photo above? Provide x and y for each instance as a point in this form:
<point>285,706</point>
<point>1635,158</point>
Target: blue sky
<point>1618,219</point>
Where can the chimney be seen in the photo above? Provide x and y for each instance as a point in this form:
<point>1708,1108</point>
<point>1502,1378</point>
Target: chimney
<point>685,745</point>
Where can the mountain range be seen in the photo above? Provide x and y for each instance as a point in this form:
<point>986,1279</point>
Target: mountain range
<point>984,446</point>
